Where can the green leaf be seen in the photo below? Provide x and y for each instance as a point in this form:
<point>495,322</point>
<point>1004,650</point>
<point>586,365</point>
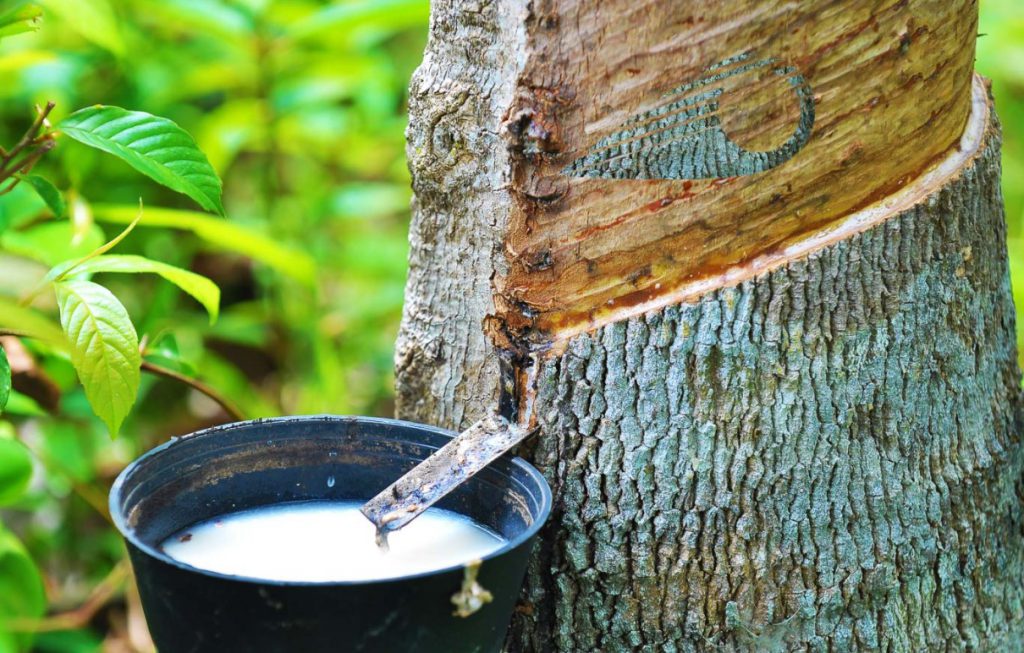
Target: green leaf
<point>30,323</point>
<point>15,470</point>
<point>5,379</point>
<point>19,17</point>
<point>199,287</point>
<point>21,589</point>
<point>48,193</point>
<point>93,19</point>
<point>104,348</point>
<point>156,147</point>
<point>51,242</point>
<point>225,235</point>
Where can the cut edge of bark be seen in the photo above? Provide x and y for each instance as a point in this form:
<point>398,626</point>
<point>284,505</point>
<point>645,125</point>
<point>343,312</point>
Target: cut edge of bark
<point>915,191</point>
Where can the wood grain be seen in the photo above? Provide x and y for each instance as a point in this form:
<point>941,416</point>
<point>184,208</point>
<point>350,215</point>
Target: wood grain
<point>636,180</point>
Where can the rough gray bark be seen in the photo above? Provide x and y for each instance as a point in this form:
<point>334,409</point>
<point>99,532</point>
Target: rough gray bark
<point>824,458</point>
<point>446,369</point>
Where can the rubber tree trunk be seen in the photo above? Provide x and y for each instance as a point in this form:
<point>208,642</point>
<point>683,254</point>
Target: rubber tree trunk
<point>766,330</point>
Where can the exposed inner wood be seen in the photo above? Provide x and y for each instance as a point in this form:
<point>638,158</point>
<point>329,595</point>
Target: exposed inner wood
<point>661,150</point>
<point>914,191</point>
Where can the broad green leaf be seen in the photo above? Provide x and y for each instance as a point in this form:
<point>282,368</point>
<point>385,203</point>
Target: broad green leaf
<point>30,323</point>
<point>5,379</point>
<point>104,348</point>
<point>156,147</point>
<point>199,287</point>
<point>48,193</point>
<point>15,470</point>
<point>51,242</point>
<point>225,235</point>
<point>93,19</point>
<point>18,17</point>
<point>21,589</point>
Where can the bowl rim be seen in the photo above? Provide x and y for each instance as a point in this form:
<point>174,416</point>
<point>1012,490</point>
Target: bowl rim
<point>120,520</point>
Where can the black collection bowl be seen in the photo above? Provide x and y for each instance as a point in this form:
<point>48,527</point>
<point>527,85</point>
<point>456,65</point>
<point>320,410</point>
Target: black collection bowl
<point>264,462</point>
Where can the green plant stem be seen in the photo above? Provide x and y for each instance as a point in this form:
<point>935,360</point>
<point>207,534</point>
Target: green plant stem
<point>99,251</point>
<point>199,386</point>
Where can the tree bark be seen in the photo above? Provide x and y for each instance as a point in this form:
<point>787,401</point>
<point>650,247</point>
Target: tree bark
<point>446,368</point>
<point>824,458</point>
<point>810,442</point>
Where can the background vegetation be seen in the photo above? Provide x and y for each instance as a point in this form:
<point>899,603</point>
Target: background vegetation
<point>299,105</point>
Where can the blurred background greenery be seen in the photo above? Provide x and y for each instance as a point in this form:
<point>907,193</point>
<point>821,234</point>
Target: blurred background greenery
<point>1000,57</point>
<point>300,106</point>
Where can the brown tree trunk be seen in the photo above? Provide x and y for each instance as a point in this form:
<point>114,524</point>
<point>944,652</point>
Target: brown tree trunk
<point>748,266</point>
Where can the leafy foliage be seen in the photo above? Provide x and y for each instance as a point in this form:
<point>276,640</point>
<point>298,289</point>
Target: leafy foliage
<point>228,236</point>
<point>154,146</point>
<point>199,287</point>
<point>104,347</point>
<point>103,343</point>
<point>298,105</point>
<point>48,193</point>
